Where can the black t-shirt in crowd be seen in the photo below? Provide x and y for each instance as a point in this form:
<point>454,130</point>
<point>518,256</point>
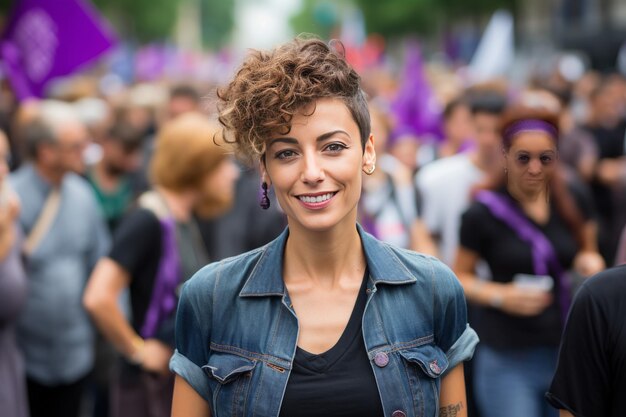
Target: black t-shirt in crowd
<point>590,379</point>
<point>507,255</point>
<point>137,248</point>
<point>337,383</point>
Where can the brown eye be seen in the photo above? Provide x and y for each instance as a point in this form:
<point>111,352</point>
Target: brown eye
<point>523,159</point>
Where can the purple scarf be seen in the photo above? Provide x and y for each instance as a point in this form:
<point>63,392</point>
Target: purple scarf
<point>544,256</point>
<point>163,300</point>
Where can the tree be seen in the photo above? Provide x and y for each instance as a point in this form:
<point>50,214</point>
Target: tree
<point>153,20</point>
<point>395,18</point>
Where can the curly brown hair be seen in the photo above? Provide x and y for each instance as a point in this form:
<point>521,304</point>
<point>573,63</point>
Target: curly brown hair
<point>272,86</point>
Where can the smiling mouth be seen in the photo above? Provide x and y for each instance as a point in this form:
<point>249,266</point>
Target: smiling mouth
<point>310,199</point>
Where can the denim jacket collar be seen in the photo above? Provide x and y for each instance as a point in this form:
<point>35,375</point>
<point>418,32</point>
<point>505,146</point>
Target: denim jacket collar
<point>266,278</point>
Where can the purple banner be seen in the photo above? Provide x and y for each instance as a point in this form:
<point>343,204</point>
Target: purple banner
<point>46,39</point>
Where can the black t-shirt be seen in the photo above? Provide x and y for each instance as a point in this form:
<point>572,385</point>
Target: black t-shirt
<point>507,255</point>
<point>590,379</point>
<point>137,248</point>
<point>337,383</point>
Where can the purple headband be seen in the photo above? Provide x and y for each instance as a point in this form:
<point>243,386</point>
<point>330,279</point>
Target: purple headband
<point>531,125</point>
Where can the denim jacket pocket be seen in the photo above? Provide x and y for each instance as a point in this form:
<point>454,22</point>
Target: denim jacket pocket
<point>424,367</point>
<point>230,377</point>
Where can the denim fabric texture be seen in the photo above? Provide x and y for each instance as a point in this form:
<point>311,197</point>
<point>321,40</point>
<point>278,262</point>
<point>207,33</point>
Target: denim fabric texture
<point>236,330</point>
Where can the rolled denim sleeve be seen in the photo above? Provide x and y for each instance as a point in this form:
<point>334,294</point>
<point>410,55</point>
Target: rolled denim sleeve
<point>452,332</point>
<point>193,334</point>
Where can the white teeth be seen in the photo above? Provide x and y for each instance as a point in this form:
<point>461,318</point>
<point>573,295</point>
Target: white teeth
<point>316,199</point>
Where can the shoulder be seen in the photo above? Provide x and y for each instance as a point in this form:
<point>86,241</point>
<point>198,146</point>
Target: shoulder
<point>226,275</point>
<point>428,271</point>
<point>443,168</point>
<point>608,287</point>
<point>80,189</point>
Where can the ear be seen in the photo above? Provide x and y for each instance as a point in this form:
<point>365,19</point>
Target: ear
<point>369,154</point>
<point>263,171</point>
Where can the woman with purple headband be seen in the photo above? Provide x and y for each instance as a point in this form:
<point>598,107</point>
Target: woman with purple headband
<point>531,230</point>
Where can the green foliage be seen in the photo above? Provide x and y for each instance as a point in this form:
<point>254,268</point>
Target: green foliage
<point>141,20</point>
<point>317,16</point>
<point>217,21</point>
<point>393,18</point>
<point>150,20</point>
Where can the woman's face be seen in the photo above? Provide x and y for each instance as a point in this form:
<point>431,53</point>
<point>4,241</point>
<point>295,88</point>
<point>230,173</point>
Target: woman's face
<point>531,161</point>
<point>316,169</point>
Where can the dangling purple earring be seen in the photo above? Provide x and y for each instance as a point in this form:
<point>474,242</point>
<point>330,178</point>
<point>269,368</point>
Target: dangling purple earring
<point>265,200</point>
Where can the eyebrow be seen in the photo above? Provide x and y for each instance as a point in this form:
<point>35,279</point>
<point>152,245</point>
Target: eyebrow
<point>320,138</point>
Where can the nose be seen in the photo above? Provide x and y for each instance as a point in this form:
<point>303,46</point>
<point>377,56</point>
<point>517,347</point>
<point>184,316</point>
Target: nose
<point>534,167</point>
<point>312,171</point>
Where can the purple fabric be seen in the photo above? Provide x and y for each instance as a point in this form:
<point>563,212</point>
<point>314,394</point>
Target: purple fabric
<point>163,300</point>
<point>544,256</point>
<point>529,125</point>
<point>415,107</point>
<point>46,39</point>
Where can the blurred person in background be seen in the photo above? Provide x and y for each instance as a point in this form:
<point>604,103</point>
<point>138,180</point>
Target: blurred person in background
<point>530,230</point>
<point>65,236</point>
<point>389,204</point>
<point>457,128</point>
<point>590,379</point>
<point>183,99</point>
<point>607,124</point>
<point>577,149</point>
<point>112,176</point>
<point>155,249</point>
<point>445,184</point>
<point>13,293</point>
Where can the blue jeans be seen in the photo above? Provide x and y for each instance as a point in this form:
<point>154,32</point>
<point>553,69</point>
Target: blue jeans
<point>512,383</point>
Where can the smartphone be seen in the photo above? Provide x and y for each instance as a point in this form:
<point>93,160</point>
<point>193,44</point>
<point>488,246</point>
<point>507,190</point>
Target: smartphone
<point>534,282</point>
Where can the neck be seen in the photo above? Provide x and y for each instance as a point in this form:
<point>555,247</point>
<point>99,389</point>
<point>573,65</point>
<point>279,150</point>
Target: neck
<point>107,179</point>
<point>527,197</point>
<point>481,160</point>
<point>50,175</point>
<point>180,203</point>
<point>324,257</point>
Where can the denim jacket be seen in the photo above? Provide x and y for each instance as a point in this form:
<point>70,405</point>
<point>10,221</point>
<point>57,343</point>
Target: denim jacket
<point>236,330</point>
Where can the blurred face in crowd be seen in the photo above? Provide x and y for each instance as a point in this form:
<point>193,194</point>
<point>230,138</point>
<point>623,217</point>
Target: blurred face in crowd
<point>218,188</point>
<point>486,130</point>
<point>66,155</point>
<point>531,161</point>
<point>458,126</point>
<point>181,104</point>
<point>607,105</point>
<point>316,169</point>
<point>380,131</point>
<point>119,159</point>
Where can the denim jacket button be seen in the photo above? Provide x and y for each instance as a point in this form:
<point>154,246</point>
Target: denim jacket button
<point>381,359</point>
<point>434,366</point>
<point>398,413</point>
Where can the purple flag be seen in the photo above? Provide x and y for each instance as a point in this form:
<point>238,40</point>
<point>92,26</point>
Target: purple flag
<point>416,108</point>
<point>47,39</point>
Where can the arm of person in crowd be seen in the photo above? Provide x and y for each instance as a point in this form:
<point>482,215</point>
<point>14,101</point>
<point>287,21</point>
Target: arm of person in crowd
<point>421,240</point>
<point>611,171</point>
<point>588,260</point>
<point>452,398</point>
<point>187,402</point>
<point>507,297</point>
<point>101,300</point>
<point>8,214</point>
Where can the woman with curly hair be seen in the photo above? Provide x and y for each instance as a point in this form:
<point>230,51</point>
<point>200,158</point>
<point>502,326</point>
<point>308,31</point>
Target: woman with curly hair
<point>325,320</point>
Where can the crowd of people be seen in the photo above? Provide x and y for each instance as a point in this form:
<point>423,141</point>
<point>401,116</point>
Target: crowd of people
<point>109,204</point>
